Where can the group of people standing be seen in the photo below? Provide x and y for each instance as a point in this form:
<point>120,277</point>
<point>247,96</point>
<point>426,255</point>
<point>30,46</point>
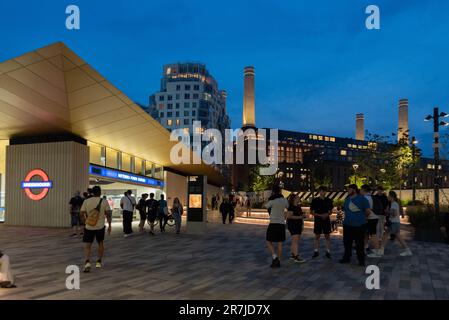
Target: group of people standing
<point>152,209</point>
<point>369,220</point>
<point>227,209</point>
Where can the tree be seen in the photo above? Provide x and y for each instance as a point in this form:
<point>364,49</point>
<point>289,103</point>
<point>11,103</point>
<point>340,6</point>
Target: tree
<point>387,163</point>
<point>258,182</point>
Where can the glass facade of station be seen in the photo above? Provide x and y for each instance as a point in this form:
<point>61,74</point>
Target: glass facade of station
<point>114,159</point>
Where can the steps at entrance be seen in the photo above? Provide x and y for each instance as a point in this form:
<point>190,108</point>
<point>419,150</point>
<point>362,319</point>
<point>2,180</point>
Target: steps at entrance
<point>261,217</point>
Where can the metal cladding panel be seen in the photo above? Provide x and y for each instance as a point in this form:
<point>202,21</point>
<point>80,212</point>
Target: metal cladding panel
<point>65,163</point>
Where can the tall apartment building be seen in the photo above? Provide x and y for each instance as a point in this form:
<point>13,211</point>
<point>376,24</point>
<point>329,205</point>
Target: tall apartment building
<point>189,93</point>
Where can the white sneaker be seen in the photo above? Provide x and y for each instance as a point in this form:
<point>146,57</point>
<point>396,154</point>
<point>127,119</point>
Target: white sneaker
<point>406,253</point>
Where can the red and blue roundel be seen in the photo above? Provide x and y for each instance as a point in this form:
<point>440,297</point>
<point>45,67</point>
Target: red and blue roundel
<point>44,185</point>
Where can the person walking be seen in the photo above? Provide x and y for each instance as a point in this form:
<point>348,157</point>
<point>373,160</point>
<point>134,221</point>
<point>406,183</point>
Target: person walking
<point>372,219</point>
<point>177,211</point>
<point>277,206</point>
<point>127,203</point>
<point>6,276</point>
<point>214,202</point>
<point>356,208</point>
<point>321,208</point>
<point>231,211</point>
<point>224,209</point>
<point>248,207</point>
<point>75,205</point>
<point>295,225</point>
<point>393,229</point>
<point>142,208</point>
<point>152,209</point>
<point>95,210</point>
<point>382,198</point>
<point>162,213</point>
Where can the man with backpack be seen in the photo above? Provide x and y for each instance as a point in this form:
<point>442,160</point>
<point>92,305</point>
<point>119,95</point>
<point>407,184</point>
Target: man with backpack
<point>95,210</point>
<point>152,207</point>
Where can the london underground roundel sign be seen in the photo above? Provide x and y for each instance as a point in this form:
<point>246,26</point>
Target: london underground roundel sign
<point>43,185</point>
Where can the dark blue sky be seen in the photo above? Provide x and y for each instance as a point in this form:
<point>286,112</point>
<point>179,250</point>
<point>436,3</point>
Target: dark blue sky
<point>316,63</point>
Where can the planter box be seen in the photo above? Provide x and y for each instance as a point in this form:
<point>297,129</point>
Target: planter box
<point>429,234</point>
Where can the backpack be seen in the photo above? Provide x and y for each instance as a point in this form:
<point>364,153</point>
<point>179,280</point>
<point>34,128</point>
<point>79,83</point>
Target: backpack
<point>140,205</point>
<point>152,206</point>
<point>94,215</point>
<point>378,207</point>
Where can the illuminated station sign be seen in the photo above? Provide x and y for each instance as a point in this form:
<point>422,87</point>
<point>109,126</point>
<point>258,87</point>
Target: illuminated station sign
<point>43,185</point>
<point>124,176</point>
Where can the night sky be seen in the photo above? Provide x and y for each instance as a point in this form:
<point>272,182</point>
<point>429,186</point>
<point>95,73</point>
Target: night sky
<point>316,63</point>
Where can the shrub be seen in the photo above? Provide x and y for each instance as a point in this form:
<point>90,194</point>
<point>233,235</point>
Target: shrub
<point>414,203</point>
<point>424,217</point>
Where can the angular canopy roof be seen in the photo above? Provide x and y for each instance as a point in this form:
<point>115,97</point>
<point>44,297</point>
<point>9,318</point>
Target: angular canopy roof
<point>52,90</point>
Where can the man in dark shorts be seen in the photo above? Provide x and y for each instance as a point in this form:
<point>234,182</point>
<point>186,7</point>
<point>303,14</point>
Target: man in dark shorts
<point>372,220</point>
<point>95,210</point>
<point>75,205</point>
<point>321,209</point>
<point>277,206</point>
<point>152,207</point>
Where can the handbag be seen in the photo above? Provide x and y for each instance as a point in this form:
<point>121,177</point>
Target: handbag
<point>94,215</point>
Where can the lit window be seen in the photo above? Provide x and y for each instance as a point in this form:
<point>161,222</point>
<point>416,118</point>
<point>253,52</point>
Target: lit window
<point>315,137</point>
<point>169,122</point>
<point>178,123</point>
<point>332,139</point>
<point>343,152</point>
<point>326,138</point>
<point>168,70</point>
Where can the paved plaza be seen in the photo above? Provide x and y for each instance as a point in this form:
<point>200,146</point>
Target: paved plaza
<point>229,262</point>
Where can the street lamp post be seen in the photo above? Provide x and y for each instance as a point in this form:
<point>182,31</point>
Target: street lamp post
<point>436,147</point>
<point>414,143</point>
<point>355,166</point>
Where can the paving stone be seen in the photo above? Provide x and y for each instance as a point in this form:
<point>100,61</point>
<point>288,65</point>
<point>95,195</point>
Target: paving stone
<point>228,262</point>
